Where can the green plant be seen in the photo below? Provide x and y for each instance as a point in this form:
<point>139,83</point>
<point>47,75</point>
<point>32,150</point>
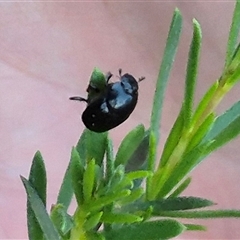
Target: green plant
<point>113,201</point>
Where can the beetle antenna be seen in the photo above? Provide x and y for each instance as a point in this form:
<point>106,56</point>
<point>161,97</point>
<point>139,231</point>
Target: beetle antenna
<point>140,79</point>
<point>78,99</point>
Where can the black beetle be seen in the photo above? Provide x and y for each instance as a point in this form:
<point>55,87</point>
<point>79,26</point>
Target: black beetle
<point>112,105</point>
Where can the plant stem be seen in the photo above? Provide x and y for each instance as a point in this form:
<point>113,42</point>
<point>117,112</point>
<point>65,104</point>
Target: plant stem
<point>77,232</point>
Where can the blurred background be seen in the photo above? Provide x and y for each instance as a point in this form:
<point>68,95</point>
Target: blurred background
<point>48,51</point>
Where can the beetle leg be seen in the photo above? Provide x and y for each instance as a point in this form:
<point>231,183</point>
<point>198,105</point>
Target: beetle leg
<point>140,79</point>
<point>78,99</point>
<point>108,76</point>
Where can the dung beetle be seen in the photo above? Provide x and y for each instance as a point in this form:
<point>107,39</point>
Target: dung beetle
<point>111,105</point>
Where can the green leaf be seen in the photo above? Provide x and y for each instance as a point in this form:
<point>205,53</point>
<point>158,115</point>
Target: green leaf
<point>116,178</point>
<point>235,61</point>
<point>98,79</point>
<point>38,180</point>
<point>229,133</point>
<point>202,130</point>
<point>192,68</point>
<point>232,74</point>
<point>138,174</point>
<point>92,145</point>
<point>77,171</point>
<point>109,160</point>
<point>96,146</point>
<point>200,214</point>
<point>117,182</point>
<point>139,157</point>
<point>233,35</point>
<point>181,187</point>
<point>180,203</point>
<point>151,163</point>
<point>40,212</point>
<point>81,146</point>
<point>98,178</point>
<point>92,221</point>
<point>202,106</point>
<point>223,121</point>
<point>122,184</point>
<point>66,191</point>
<point>62,221</point>
<point>129,145</point>
<point>109,174</point>
<point>94,236</point>
<point>88,180</point>
<point>97,85</point>
<point>123,218</point>
<point>166,65</point>
<point>172,140</point>
<point>152,152</point>
<point>133,197</point>
<point>168,58</point>
<point>195,227</point>
<point>37,176</point>
<point>99,203</point>
<point>171,204</point>
<point>162,229</point>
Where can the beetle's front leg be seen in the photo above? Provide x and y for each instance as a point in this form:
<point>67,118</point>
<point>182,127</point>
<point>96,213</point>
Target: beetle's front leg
<point>108,76</point>
<point>78,99</point>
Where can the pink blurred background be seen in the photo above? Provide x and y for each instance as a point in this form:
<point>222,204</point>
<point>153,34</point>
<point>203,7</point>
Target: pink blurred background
<point>48,51</point>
